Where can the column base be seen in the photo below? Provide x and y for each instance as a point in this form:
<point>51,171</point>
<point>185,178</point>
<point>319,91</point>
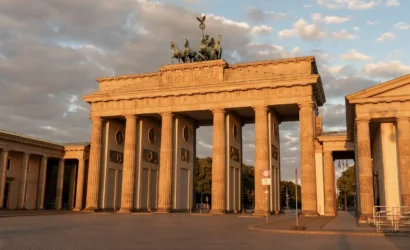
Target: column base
<point>309,213</point>
<point>125,210</point>
<point>217,211</point>
<point>330,214</point>
<point>259,213</point>
<point>76,209</point>
<point>90,210</point>
<point>163,211</point>
<point>365,218</point>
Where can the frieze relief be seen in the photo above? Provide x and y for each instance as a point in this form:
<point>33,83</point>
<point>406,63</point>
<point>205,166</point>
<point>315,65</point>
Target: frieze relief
<point>234,154</point>
<point>150,156</point>
<point>191,77</point>
<point>185,155</point>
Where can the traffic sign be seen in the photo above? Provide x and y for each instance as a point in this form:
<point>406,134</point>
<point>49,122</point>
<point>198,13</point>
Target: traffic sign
<point>266,181</point>
<point>266,173</point>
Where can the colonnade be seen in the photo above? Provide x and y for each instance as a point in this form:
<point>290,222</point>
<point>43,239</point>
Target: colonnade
<point>219,160</point>
<point>74,193</point>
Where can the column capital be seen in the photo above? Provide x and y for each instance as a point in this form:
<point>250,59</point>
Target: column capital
<point>402,118</point>
<point>96,118</point>
<point>327,151</point>
<point>261,107</point>
<point>163,114</point>
<point>218,110</point>
<point>306,105</point>
<point>362,120</point>
<point>5,151</point>
<point>133,116</point>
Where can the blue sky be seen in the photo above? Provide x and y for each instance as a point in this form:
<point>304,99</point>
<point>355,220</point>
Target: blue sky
<point>51,53</point>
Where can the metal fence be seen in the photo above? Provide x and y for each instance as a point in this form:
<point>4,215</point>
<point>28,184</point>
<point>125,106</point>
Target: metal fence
<point>396,219</point>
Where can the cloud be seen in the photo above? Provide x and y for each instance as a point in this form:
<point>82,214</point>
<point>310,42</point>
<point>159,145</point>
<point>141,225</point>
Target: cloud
<point>307,6</point>
<point>371,22</point>
<point>304,30</point>
<point>392,2</point>
<point>343,34</point>
<point>386,36</point>
<point>388,69</point>
<point>349,4</point>
<point>330,19</point>
<point>262,29</point>
<point>356,28</point>
<point>258,15</point>
<point>402,26</point>
<point>353,55</point>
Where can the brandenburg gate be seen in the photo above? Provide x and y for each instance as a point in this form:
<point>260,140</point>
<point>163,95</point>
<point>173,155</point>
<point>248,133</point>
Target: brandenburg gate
<point>144,133</point>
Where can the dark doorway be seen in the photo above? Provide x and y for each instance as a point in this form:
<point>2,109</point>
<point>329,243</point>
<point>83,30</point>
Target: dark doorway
<point>6,195</point>
<point>51,184</point>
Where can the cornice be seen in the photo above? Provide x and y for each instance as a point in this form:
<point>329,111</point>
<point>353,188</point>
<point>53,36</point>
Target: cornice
<point>30,141</point>
<point>126,77</point>
<point>203,89</point>
<point>380,88</point>
<point>272,62</point>
<point>381,99</point>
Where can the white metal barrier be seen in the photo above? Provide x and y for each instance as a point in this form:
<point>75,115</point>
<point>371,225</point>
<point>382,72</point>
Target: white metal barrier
<point>394,218</point>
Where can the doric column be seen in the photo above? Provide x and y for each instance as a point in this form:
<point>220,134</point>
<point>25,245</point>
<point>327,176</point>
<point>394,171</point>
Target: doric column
<point>307,159</point>
<point>261,156</point>
<point>403,128</point>
<point>365,169</point>
<point>71,193</point>
<point>128,174</point>
<point>41,183</point>
<point>60,182</point>
<point>23,182</point>
<point>3,167</point>
<point>94,165</point>
<point>329,183</point>
<point>80,185</point>
<point>218,163</point>
<point>165,168</point>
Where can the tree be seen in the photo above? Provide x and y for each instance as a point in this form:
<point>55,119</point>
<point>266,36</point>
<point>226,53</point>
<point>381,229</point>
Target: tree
<point>248,180</point>
<point>292,194</point>
<point>203,178</point>
<point>346,184</point>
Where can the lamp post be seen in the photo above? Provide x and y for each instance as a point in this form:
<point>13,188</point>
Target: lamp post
<point>345,164</point>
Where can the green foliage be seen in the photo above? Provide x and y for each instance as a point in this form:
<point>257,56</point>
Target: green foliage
<point>346,184</point>
<point>248,180</point>
<point>204,175</point>
<point>291,194</point>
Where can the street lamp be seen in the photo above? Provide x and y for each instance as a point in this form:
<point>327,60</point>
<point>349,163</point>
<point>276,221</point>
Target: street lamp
<point>344,183</point>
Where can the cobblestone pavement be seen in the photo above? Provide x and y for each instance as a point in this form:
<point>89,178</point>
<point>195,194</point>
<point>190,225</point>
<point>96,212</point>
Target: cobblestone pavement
<point>171,231</point>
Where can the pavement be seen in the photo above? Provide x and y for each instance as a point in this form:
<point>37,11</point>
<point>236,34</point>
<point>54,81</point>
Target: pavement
<point>342,224</point>
<point>91,231</point>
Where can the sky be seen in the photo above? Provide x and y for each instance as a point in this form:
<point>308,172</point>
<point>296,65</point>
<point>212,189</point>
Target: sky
<point>51,52</point>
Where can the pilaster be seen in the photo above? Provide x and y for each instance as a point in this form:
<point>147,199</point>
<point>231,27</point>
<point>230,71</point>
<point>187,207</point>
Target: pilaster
<point>80,185</point>
<point>307,159</point>
<point>165,169</point>
<point>127,190</point>
<point>219,163</point>
<point>365,169</point>
<point>3,167</point>
<point>94,165</point>
<point>329,183</point>
<point>403,140</point>
<point>41,182</point>
<point>23,182</point>
<point>261,156</point>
